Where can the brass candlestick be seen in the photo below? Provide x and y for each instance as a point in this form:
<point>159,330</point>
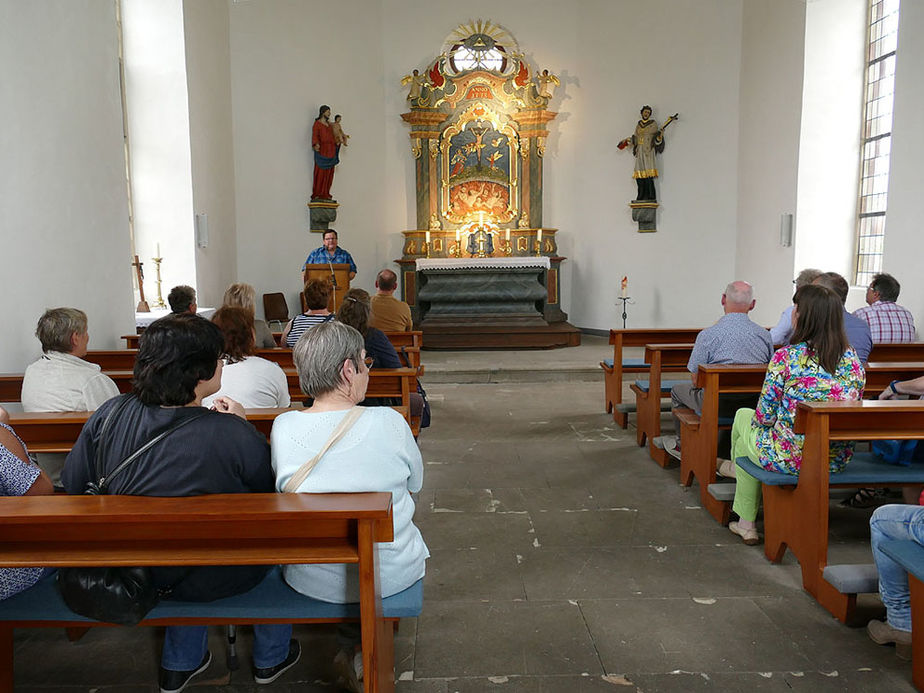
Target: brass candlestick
<point>159,303</point>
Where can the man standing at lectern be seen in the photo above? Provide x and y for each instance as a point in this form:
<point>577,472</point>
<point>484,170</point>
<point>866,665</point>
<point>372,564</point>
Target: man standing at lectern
<point>330,253</point>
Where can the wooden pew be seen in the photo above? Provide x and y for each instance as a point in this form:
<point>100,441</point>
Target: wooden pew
<point>648,394</point>
<point>58,431</point>
<point>407,344</point>
<point>613,372</point>
<point>234,529</point>
<point>897,352</point>
<point>383,382</point>
<point>700,434</point>
<point>796,508</point>
<point>910,556</point>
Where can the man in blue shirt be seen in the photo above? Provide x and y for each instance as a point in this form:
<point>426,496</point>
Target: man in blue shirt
<point>734,338</point>
<point>857,329</point>
<point>331,253</point>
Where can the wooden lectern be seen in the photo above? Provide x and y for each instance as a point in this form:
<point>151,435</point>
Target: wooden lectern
<point>336,274</point>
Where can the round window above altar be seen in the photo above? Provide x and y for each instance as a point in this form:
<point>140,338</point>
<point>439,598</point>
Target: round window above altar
<point>479,45</point>
<point>479,52</point>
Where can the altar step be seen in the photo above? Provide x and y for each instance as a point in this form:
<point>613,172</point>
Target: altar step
<point>484,335</point>
<point>579,364</point>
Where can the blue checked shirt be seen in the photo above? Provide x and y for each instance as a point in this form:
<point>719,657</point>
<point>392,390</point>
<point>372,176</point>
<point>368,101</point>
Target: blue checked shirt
<point>321,256</point>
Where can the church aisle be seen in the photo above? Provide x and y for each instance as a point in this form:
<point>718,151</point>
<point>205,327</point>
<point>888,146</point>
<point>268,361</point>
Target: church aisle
<point>564,559</point>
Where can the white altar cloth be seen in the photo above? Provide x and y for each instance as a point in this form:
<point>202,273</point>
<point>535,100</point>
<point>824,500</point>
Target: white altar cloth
<point>145,319</point>
<point>440,263</point>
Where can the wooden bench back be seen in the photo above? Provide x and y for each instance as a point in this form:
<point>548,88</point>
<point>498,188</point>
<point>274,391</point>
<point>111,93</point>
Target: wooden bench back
<point>411,340</point>
<point>229,529</point>
<point>639,337</point>
<point>58,431</point>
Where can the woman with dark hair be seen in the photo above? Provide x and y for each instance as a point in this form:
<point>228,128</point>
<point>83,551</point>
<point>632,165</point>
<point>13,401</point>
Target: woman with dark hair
<point>317,295</point>
<point>204,452</point>
<point>253,381</point>
<point>819,365</point>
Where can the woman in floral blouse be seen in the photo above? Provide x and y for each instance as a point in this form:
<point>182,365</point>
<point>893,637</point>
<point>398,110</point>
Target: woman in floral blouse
<point>819,365</point>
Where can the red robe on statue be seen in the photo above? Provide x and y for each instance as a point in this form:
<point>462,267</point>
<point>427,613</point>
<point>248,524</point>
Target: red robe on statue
<point>322,136</point>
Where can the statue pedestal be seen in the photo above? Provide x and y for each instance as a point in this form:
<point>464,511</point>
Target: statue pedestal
<point>645,213</point>
<point>322,213</point>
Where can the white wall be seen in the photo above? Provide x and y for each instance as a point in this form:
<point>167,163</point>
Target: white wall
<point>829,155</point>
<point>208,77</point>
<point>676,56</point>
<point>158,121</point>
<point>688,61</point>
<point>904,242</point>
<point>772,44</point>
<point>288,57</point>
<point>63,212</point>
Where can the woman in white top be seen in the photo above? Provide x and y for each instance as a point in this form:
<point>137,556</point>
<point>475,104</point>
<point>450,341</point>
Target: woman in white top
<point>253,381</point>
<point>377,453</point>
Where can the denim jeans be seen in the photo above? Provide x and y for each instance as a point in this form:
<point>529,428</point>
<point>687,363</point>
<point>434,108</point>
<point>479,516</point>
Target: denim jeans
<point>895,522</point>
<point>185,646</point>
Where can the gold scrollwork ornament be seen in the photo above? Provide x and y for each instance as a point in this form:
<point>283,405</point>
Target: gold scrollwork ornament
<point>434,149</point>
<point>415,149</point>
<point>435,222</point>
<point>524,220</point>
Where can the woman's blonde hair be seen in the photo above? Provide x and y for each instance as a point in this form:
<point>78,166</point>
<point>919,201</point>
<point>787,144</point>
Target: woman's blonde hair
<point>241,296</point>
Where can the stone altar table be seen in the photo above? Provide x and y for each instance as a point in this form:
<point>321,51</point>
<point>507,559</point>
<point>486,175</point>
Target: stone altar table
<point>489,302</point>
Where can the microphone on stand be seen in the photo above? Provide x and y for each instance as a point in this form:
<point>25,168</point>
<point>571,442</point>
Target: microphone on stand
<point>333,282</point>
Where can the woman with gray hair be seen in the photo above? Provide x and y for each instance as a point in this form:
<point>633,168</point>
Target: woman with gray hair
<point>338,447</point>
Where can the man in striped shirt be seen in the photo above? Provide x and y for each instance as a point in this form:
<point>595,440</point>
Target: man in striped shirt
<point>889,323</point>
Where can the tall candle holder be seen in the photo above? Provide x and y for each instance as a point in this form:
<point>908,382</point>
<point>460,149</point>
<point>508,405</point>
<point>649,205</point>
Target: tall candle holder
<point>625,300</point>
<point>159,303</point>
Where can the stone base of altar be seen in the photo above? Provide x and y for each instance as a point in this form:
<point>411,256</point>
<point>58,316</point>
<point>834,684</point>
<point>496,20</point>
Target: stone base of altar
<point>490,303</point>
<point>498,332</point>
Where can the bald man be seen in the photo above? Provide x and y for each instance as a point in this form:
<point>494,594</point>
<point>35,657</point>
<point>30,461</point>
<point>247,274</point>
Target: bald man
<point>389,313</point>
<point>734,338</point>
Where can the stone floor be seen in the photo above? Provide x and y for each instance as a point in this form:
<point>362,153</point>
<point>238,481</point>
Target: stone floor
<point>562,559</point>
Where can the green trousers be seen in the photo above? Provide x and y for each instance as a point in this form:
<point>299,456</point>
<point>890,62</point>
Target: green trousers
<point>744,444</point>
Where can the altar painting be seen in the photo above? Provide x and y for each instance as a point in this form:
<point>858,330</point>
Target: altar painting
<point>479,164</point>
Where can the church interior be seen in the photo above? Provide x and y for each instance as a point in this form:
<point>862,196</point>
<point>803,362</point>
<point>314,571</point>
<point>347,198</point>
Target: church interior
<point>562,559</point>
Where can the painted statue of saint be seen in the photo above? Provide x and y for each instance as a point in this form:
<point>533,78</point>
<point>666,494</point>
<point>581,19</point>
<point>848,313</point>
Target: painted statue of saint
<point>647,141</point>
<point>326,156</point>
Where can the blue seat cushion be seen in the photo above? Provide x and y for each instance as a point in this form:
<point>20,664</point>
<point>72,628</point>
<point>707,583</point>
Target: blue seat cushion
<point>666,385</point>
<point>628,363</point>
<point>908,554</point>
<point>863,469</point>
<point>272,598</point>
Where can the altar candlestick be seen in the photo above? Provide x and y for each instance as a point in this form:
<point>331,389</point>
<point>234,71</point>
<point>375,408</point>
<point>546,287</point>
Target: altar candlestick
<point>158,250</point>
<point>624,286</point>
<point>458,237</point>
<point>427,237</point>
<point>507,235</point>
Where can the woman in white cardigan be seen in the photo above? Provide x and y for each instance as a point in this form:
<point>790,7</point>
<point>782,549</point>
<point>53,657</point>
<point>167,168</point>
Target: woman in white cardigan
<point>376,453</point>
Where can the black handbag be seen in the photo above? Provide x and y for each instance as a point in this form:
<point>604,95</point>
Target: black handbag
<point>121,595</point>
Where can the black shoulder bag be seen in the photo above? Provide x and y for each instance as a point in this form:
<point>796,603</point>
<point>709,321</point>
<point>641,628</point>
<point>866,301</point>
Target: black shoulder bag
<point>115,595</point>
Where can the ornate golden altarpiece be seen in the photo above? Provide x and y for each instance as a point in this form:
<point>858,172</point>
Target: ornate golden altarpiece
<point>479,118</point>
